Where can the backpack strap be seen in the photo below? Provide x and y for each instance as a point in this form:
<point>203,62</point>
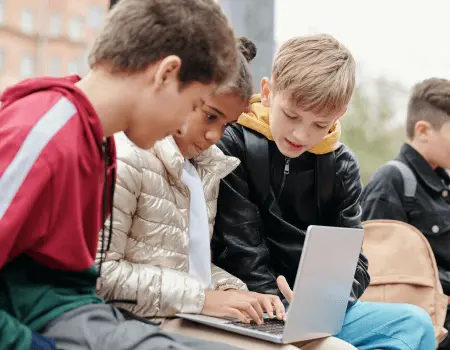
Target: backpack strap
<point>325,177</point>
<point>409,179</point>
<point>257,163</point>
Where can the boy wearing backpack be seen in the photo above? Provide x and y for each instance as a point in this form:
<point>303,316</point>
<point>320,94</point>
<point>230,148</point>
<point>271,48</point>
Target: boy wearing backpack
<point>414,188</point>
<point>294,173</point>
<point>152,64</point>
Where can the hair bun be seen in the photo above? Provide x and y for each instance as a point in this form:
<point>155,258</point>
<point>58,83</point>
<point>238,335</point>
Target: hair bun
<point>248,48</point>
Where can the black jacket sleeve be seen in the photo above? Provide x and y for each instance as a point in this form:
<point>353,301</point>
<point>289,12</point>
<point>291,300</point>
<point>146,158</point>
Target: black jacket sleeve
<point>348,211</point>
<point>382,198</point>
<point>238,244</point>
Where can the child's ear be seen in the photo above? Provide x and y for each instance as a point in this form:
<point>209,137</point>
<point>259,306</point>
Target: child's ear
<point>265,92</point>
<point>167,71</point>
<point>423,130</point>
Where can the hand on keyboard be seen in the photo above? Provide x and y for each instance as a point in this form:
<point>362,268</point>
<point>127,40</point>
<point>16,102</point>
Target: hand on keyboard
<point>271,304</point>
<point>241,305</point>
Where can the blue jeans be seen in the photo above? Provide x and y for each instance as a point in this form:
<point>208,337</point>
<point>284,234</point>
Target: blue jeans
<point>370,326</point>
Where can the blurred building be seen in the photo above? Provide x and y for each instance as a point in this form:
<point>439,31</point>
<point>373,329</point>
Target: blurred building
<point>255,19</point>
<point>46,37</point>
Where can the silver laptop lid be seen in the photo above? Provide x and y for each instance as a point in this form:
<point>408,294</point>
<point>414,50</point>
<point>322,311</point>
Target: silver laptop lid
<point>324,281</point>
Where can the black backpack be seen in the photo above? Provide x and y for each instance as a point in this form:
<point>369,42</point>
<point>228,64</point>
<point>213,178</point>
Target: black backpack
<point>257,158</point>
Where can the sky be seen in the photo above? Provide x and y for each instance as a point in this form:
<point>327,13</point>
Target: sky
<point>402,40</point>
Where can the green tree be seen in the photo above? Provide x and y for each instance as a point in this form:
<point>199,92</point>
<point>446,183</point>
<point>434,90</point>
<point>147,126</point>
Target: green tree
<point>369,127</point>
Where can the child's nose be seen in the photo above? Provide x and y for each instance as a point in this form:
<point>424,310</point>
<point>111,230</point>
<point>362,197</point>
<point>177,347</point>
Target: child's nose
<point>301,135</point>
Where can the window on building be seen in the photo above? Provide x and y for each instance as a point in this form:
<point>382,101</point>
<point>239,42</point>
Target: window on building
<point>76,29</point>
<point>55,24</point>
<point>55,67</point>
<point>27,66</point>
<point>27,21</point>
<point>95,17</point>
<point>2,11</point>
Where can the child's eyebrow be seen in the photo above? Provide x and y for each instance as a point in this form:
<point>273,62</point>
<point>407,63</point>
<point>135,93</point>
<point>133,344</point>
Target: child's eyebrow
<point>218,111</point>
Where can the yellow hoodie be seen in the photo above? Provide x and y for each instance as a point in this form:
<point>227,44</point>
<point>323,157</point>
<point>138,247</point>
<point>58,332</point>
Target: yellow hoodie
<point>258,119</point>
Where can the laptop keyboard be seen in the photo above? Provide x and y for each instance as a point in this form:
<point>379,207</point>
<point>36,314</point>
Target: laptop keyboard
<point>271,326</point>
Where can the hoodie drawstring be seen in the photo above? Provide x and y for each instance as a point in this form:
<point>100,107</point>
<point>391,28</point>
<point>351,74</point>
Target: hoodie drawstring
<point>106,157</point>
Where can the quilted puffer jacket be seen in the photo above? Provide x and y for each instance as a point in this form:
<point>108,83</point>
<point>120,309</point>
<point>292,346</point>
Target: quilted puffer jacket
<point>147,261</point>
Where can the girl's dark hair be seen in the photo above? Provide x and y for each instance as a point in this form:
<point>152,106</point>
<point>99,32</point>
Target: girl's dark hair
<point>248,48</point>
<point>242,83</point>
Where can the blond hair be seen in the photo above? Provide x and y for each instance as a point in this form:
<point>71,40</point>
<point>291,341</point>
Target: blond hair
<point>138,33</point>
<point>429,101</point>
<point>318,71</point>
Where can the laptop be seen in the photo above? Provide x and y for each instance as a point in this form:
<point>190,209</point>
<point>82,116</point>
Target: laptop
<point>320,295</point>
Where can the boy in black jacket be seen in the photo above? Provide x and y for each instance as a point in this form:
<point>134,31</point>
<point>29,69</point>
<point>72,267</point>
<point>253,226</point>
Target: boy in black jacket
<point>424,158</point>
<point>296,173</point>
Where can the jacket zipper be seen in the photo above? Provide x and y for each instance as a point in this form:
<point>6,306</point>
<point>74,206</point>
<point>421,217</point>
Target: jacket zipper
<point>285,174</point>
<point>286,167</point>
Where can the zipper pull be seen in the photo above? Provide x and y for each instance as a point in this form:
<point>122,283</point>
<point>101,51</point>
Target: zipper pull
<point>286,166</point>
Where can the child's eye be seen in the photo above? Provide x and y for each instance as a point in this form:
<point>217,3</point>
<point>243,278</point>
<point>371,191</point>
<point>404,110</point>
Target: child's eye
<point>211,116</point>
<point>321,126</point>
<point>289,116</point>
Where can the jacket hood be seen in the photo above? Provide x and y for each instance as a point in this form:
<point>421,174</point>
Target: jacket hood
<point>66,86</point>
<point>258,119</point>
<point>211,160</point>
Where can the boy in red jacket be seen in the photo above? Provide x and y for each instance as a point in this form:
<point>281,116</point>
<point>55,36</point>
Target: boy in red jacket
<point>151,65</point>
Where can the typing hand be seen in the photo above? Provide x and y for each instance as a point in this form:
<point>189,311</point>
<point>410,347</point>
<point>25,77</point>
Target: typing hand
<point>232,303</point>
<point>271,304</point>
